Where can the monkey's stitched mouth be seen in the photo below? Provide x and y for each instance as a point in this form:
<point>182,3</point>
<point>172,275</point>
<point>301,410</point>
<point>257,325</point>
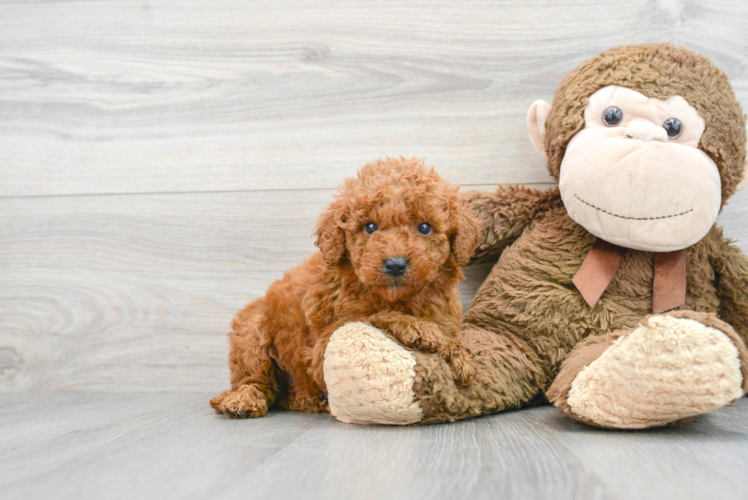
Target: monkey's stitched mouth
<point>632,218</point>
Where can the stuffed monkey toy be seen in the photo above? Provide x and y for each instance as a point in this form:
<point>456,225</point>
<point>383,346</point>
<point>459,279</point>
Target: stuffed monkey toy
<point>614,296</point>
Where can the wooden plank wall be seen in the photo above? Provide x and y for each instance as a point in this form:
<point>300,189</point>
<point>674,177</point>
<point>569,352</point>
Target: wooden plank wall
<point>162,162</point>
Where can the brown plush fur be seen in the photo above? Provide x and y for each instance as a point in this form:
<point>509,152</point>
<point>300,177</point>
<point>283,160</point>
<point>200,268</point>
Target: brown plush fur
<point>278,343</point>
<point>528,317</point>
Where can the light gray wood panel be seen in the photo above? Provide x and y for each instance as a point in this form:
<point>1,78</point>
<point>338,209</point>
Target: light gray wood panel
<point>118,293</point>
<point>136,292</point>
<point>144,446</point>
<point>188,95</point>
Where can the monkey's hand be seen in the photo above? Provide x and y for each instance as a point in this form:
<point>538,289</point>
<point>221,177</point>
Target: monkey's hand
<point>426,336</point>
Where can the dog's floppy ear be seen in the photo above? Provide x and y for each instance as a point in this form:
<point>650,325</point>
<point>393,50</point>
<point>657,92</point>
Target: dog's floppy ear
<point>466,234</point>
<point>330,233</point>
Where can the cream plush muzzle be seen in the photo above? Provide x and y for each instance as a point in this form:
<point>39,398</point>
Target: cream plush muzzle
<point>630,184</point>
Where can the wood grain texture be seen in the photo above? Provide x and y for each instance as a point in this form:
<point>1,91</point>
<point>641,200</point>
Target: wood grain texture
<point>162,96</point>
<point>136,292</point>
<point>155,446</point>
<point>162,162</point>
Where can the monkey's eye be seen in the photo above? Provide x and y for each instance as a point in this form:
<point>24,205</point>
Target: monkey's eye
<point>370,227</point>
<point>424,228</point>
<point>612,116</point>
<point>673,127</point>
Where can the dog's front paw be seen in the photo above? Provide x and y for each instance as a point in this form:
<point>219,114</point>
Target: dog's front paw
<point>246,402</point>
<point>426,336</point>
<point>463,364</point>
<point>422,335</point>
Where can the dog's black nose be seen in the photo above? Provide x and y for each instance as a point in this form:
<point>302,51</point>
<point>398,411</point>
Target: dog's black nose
<point>395,266</point>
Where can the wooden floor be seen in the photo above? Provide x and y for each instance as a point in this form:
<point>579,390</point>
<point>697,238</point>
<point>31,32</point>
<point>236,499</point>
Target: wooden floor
<point>172,446</point>
<point>163,161</point>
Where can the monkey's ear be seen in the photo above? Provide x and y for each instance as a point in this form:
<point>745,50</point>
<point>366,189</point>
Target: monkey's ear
<point>330,233</point>
<point>467,235</point>
<point>536,117</point>
<point>744,182</point>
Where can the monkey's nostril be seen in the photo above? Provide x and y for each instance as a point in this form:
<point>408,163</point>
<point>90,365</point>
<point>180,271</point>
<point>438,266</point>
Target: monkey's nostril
<point>395,266</point>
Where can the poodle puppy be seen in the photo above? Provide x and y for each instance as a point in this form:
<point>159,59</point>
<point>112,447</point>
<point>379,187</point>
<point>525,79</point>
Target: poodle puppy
<point>390,249</point>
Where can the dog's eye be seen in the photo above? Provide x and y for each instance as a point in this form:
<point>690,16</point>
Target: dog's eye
<point>370,227</point>
<point>424,228</point>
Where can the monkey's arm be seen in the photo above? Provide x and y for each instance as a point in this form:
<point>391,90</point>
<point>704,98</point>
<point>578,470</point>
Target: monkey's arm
<point>505,213</point>
<point>731,273</point>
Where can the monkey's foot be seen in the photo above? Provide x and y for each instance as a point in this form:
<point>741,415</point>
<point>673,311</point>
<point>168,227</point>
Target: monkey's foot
<point>246,402</point>
<point>370,377</point>
<point>670,368</point>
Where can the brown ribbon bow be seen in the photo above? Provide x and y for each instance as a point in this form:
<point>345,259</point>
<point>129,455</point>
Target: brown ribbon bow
<point>601,264</point>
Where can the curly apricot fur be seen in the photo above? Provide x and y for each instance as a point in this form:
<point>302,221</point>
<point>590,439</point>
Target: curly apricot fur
<point>279,340</point>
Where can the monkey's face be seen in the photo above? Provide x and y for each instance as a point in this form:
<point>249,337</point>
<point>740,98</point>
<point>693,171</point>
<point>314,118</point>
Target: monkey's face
<point>634,176</point>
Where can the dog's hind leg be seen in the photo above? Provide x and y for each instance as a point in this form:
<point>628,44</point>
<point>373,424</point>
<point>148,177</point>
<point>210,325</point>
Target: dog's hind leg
<point>254,380</point>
